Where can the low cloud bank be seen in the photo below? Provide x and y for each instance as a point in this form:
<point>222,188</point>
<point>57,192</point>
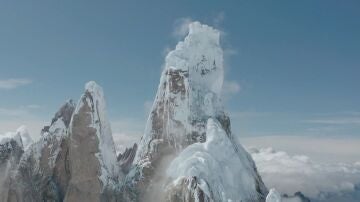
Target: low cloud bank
<point>320,181</point>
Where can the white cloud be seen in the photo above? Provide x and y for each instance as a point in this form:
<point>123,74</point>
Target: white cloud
<point>219,18</point>
<point>248,114</point>
<point>336,121</point>
<point>126,132</point>
<point>33,106</point>
<point>33,125</point>
<point>181,27</point>
<point>335,118</point>
<point>292,173</point>
<point>13,112</point>
<point>322,149</point>
<point>147,106</point>
<point>230,88</point>
<point>12,118</point>
<point>8,84</point>
<point>20,111</point>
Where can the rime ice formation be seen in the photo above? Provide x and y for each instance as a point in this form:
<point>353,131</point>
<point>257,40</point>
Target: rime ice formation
<point>187,120</point>
<point>273,196</point>
<point>188,93</point>
<point>226,170</point>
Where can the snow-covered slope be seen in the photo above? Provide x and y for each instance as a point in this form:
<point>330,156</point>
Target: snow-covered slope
<point>11,149</point>
<point>41,173</point>
<point>228,172</point>
<point>25,136</point>
<point>13,136</point>
<point>273,196</point>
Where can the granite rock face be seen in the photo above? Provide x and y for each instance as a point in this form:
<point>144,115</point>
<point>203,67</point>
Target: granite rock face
<point>74,160</point>
<point>92,158</point>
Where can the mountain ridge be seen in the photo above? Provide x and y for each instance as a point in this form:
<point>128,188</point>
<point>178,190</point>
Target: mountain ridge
<point>187,153</point>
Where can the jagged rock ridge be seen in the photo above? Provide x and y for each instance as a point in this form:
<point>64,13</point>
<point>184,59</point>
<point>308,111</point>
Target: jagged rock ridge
<point>42,172</point>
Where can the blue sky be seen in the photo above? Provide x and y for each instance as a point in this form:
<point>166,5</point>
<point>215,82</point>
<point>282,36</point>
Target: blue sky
<point>292,74</point>
<point>293,66</point>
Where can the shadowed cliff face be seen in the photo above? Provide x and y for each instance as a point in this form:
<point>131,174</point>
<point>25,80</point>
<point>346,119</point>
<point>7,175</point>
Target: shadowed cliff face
<point>126,158</point>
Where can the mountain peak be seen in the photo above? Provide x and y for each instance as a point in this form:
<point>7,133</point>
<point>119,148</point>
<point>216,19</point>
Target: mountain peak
<point>201,56</point>
<point>188,93</point>
<point>187,118</point>
<point>65,113</point>
<point>202,32</point>
<point>91,146</point>
<point>94,88</point>
<point>25,136</point>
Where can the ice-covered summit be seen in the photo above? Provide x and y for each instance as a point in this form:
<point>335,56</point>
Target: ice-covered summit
<point>25,136</point>
<point>188,93</point>
<point>227,170</point>
<point>189,130</point>
<point>200,54</point>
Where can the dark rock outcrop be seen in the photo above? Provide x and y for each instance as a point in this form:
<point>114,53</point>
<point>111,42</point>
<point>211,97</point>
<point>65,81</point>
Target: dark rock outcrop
<point>126,158</point>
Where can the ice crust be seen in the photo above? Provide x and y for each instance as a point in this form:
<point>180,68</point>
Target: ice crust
<point>219,164</point>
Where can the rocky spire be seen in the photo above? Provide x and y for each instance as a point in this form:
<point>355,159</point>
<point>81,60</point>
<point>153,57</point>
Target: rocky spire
<point>188,97</point>
<point>93,165</point>
<point>188,93</point>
